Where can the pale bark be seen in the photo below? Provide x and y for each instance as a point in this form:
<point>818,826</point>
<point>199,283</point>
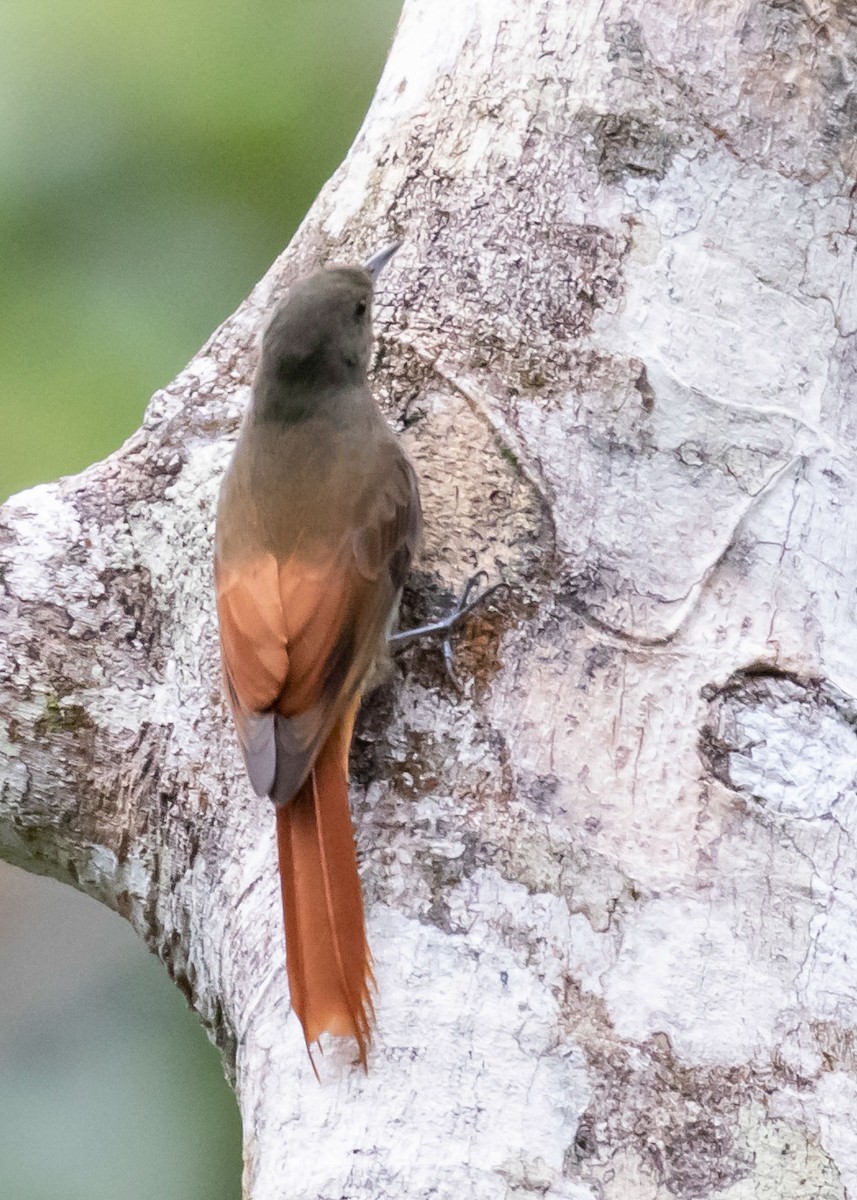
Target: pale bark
<point>611,891</point>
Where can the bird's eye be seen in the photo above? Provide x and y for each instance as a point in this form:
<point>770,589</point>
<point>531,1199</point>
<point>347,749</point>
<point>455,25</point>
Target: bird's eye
<point>360,309</point>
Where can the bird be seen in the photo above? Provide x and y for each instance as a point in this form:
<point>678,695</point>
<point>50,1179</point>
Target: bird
<point>318,518</point>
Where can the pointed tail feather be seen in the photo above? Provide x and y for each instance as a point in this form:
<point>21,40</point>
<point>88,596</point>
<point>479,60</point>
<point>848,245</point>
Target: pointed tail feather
<point>328,959</point>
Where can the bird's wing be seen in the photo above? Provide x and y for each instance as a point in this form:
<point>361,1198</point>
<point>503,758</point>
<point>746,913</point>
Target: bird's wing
<point>283,637</point>
<point>299,635</point>
<point>389,522</point>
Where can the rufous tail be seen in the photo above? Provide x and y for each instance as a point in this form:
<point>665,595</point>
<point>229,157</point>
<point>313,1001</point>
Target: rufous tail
<point>327,955</point>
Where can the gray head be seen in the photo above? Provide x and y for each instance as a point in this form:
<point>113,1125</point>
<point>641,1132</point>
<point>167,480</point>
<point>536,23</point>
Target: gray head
<point>319,339</point>
<point>321,333</point>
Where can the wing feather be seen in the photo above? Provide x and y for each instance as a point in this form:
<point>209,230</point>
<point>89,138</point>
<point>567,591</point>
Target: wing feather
<point>299,635</point>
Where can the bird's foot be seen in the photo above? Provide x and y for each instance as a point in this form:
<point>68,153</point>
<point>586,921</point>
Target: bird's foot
<point>445,628</point>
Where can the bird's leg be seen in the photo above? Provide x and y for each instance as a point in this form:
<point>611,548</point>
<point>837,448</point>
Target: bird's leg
<point>445,627</point>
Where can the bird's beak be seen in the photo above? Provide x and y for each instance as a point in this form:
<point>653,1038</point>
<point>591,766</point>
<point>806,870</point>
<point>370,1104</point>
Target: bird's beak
<point>375,265</point>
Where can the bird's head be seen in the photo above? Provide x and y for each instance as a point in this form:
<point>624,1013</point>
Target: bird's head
<point>321,332</point>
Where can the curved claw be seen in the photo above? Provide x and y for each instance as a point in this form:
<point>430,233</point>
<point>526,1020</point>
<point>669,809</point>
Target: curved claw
<point>446,646</point>
<point>447,625</point>
<point>460,605</point>
<point>481,598</point>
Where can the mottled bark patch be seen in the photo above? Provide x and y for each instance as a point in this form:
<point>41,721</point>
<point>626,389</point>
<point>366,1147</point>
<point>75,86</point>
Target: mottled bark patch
<point>788,745</point>
<point>407,818</point>
<point>680,1122</point>
<point>674,1131</point>
<point>819,98</point>
<point>134,614</point>
<point>56,717</point>
<point>626,44</point>
<point>624,144</point>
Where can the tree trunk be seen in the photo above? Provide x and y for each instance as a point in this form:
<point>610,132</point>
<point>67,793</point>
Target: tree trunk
<point>610,889</point>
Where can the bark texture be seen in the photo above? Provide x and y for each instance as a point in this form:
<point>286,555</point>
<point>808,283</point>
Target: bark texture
<point>611,891</point>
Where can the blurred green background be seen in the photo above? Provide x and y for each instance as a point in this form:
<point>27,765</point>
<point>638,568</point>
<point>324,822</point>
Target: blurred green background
<point>154,158</point>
